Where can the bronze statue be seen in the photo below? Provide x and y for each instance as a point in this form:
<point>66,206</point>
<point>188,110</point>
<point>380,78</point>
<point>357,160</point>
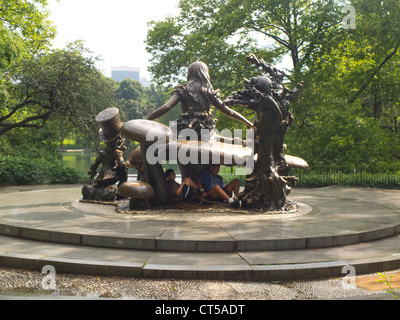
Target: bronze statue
<point>113,168</point>
<point>266,188</point>
<point>149,134</point>
<point>135,161</point>
<point>196,97</point>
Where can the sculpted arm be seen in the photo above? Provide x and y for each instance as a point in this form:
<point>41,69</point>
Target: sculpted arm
<point>172,102</point>
<point>231,113</point>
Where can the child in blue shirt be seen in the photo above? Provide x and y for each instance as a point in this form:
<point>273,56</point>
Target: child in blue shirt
<point>212,187</point>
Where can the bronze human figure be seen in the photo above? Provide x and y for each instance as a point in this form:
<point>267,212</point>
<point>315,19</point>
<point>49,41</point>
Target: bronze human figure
<point>196,98</point>
<point>111,160</point>
<point>266,187</point>
<point>113,168</point>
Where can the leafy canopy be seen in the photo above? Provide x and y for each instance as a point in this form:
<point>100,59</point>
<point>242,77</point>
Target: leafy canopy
<point>61,88</point>
<point>24,29</point>
<point>347,116</point>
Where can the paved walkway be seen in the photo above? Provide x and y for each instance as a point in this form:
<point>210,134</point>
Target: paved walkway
<point>334,228</point>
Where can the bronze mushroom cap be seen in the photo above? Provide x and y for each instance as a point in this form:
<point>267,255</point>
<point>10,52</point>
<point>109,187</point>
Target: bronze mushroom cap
<point>136,190</point>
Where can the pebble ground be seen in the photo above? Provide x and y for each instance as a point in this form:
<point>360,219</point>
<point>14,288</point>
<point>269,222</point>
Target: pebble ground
<point>23,283</point>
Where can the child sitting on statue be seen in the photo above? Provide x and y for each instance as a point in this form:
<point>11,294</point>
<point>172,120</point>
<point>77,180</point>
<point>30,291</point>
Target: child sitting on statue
<point>212,187</point>
<point>180,192</point>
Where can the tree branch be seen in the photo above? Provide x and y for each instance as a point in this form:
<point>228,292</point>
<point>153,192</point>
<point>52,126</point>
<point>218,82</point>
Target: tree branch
<point>17,107</point>
<point>311,47</point>
<point>277,39</point>
<point>387,58</point>
<point>25,123</point>
<point>276,27</point>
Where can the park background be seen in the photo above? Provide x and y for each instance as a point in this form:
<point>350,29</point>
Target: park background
<point>346,118</point>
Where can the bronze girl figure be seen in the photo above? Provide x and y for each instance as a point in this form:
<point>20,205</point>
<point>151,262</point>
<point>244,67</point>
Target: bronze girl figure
<point>196,98</point>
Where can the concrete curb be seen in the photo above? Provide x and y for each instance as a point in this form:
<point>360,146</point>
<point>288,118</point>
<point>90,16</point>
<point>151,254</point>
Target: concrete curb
<point>182,245</point>
<point>303,271</point>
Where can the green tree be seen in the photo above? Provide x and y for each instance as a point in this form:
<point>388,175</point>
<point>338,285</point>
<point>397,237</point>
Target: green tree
<point>24,29</point>
<point>61,89</point>
<point>222,33</point>
<point>347,115</point>
<point>137,101</point>
<point>129,90</point>
<point>156,95</point>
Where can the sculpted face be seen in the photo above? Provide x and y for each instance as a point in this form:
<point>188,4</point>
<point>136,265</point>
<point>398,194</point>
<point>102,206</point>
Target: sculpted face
<point>262,83</point>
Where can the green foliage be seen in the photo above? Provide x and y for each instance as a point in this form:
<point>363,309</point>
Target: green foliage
<point>24,29</point>
<point>177,42</point>
<point>347,116</point>
<point>61,89</point>
<point>339,139</point>
<point>136,101</point>
<point>129,90</point>
<point>24,32</point>
<point>28,171</point>
<point>360,179</point>
<point>31,142</point>
<point>221,33</point>
<point>386,280</point>
<point>348,113</point>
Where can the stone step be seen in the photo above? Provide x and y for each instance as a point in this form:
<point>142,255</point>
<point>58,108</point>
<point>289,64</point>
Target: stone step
<point>381,255</point>
<point>334,228</point>
<point>186,237</point>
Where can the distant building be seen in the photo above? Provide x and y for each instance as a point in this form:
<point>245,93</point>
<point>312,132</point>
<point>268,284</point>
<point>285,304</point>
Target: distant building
<point>122,73</point>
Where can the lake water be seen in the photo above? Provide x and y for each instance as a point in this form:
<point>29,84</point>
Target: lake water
<point>82,160</point>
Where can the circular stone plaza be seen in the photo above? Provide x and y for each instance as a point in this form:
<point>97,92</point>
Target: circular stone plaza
<point>336,229</point>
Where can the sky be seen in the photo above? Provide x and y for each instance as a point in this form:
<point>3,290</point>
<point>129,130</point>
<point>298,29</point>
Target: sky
<point>114,30</point>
